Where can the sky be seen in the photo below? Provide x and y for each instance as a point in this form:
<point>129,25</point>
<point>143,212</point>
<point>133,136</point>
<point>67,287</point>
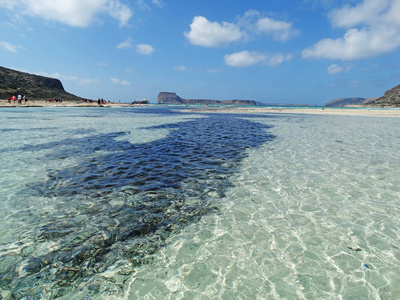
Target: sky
<point>275,51</point>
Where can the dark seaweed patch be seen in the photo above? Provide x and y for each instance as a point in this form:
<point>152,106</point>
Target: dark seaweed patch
<point>124,205</point>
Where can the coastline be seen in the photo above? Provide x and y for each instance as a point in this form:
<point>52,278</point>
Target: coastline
<point>342,111</point>
<point>43,103</point>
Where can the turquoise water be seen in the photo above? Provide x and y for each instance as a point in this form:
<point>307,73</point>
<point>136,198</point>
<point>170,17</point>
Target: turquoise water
<point>137,203</point>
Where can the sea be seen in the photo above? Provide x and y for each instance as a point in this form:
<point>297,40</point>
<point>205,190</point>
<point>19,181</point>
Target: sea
<point>170,203</point>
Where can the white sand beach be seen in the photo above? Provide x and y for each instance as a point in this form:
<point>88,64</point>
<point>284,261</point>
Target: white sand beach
<point>347,111</point>
<point>43,103</point>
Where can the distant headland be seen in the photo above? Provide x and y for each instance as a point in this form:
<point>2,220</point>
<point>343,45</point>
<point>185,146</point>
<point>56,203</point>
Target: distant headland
<point>39,88</point>
<point>173,98</point>
<point>33,87</point>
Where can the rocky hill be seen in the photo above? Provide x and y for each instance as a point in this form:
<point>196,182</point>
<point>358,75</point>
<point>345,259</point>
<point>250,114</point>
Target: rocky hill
<point>390,98</point>
<point>341,102</point>
<point>32,86</point>
<point>173,98</point>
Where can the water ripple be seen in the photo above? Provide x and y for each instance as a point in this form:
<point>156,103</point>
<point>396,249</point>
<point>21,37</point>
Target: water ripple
<point>120,203</point>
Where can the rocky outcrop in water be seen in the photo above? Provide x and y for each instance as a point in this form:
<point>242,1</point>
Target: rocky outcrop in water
<point>13,83</point>
<point>173,98</point>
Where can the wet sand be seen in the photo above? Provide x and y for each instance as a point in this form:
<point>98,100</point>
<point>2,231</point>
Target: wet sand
<point>346,111</point>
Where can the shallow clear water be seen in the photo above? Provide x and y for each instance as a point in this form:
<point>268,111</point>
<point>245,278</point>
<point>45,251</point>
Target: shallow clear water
<point>152,204</point>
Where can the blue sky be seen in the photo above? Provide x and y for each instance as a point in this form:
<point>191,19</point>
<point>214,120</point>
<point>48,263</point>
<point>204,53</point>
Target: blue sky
<point>281,51</point>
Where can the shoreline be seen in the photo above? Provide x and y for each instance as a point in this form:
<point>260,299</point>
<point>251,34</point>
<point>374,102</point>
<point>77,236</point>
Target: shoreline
<point>65,103</point>
<point>342,111</point>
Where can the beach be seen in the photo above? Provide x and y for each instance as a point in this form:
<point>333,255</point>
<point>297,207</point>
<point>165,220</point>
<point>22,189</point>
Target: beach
<point>65,103</point>
<point>344,111</point>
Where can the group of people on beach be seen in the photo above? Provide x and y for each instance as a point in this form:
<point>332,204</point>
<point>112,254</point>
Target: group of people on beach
<point>19,98</point>
<point>53,100</point>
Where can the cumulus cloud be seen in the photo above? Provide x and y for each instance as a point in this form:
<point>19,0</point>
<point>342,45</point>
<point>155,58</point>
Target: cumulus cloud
<point>118,81</point>
<point>363,12</point>
<point>280,30</point>
<point>245,59</point>
<point>373,28</point>
<point>79,13</point>
<point>144,49</point>
<point>120,12</point>
<point>125,44</point>
<point>8,47</point>
<point>206,33</point>
<point>212,34</point>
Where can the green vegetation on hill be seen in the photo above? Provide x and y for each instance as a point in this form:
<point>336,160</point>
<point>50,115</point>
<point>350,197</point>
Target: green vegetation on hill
<point>32,86</point>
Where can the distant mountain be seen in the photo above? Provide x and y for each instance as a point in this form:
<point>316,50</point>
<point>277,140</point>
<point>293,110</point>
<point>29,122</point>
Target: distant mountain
<point>13,83</point>
<point>173,98</point>
<point>340,102</point>
<point>390,98</point>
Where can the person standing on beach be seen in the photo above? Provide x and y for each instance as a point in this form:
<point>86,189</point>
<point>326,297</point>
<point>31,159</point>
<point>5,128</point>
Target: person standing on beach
<point>19,98</point>
<point>13,97</point>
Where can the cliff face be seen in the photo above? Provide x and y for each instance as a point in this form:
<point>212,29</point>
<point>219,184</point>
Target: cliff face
<point>390,98</point>
<point>169,98</point>
<point>173,98</point>
<point>32,86</point>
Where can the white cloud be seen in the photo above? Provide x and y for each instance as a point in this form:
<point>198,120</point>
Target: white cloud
<point>206,33</point>
<point>277,59</point>
<point>335,69</point>
<point>280,30</point>
<point>125,44</point>
<point>373,28</point>
<point>121,82</point>
<point>79,13</point>
<point>180,68</point>
<point>120,12</point>
<point>364,12</point>
<point>245,59</point>
<point>144,49</point>
<point>9,4</point>
<point>212,34</point>
<point>8,47</point>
